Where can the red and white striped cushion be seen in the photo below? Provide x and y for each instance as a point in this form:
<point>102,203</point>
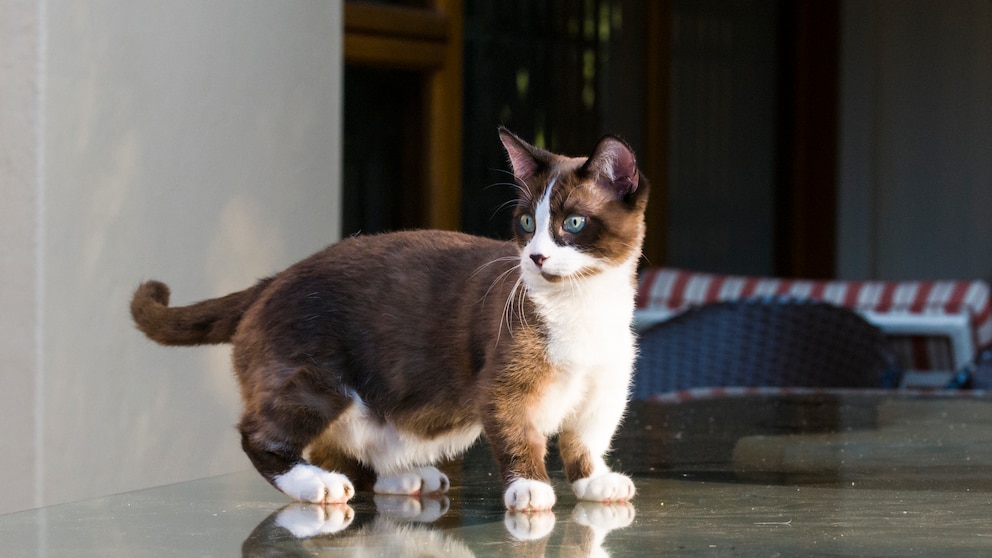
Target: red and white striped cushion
<point>676,290</point>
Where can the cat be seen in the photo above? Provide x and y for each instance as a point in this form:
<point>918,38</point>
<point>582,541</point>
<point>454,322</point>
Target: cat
<point>383,354</point>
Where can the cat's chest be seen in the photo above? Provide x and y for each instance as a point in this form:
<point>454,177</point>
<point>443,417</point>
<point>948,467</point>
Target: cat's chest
<point>590,342</point>
<point>590,326</point>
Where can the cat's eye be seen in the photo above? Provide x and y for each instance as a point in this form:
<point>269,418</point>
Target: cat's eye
<point>527,223</point>
<point>574,223</point>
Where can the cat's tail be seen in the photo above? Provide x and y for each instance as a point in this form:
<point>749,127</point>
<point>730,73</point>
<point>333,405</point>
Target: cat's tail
<point>208,322</point>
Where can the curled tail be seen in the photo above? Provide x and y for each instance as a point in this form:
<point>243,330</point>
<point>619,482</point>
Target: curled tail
<point>208,322</point>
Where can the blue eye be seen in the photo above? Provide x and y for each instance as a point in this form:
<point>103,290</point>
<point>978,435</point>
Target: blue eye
<point>527,222</point>
<point>574,223</point>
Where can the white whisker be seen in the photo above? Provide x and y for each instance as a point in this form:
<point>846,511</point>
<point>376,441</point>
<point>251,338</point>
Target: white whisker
<point>491,262</point>
<point>499,278</point>
<point>506,204</point>
<point>508,309</point>
<point>521,307</point>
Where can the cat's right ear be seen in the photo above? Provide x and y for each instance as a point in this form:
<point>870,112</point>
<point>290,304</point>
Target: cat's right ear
<point>525,159</point>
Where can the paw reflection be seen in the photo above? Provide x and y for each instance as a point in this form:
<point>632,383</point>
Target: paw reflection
<point>309,520</point>
<point>529,526</point>
<point>595,521</point>
<point>606,517</point>
<point>398,525</point>
<point>410,508</point>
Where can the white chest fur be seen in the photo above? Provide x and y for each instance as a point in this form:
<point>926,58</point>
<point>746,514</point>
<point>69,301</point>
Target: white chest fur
<point>590,340</point>
<point>589,321</point>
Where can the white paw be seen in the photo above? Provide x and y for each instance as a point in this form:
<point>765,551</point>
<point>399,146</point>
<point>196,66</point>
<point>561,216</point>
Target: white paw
<point>308,520</point>
<point>608,487</point>
<point>529,495</point>
<point>409,508</point>
<point>422,480</point>
<point>309,483</point>
<point>529,526</point>
<point>603,517</point>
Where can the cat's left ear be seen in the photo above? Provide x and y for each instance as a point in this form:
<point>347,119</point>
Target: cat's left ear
<point>615,166</point>
<point>525,159</point>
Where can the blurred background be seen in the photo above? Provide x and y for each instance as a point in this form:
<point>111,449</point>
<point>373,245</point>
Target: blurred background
<point>208,144</point>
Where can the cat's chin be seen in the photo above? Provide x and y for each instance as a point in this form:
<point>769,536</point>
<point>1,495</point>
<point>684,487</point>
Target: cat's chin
<point>580,273</point>
<point>554,278</point>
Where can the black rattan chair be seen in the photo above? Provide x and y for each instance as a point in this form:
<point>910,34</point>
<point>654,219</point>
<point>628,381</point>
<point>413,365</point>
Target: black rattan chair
<point>767,342</point>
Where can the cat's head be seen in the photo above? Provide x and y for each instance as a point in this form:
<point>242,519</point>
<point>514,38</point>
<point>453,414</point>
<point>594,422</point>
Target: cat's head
<point>576,216</point>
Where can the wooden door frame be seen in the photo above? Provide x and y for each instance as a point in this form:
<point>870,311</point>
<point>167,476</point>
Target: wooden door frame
<point>429,41</point>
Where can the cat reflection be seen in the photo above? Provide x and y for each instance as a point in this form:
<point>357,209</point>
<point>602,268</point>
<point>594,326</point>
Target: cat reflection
<point>403,527</point>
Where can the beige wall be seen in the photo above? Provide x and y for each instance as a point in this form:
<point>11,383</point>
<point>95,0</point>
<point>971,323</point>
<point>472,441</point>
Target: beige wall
<point>194,142</point>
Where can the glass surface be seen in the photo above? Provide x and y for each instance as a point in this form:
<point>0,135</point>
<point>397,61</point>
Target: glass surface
<point>858,474</point>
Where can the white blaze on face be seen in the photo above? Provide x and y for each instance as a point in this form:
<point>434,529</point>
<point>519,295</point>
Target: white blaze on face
<point>555,260</point>
<point>542,244</point>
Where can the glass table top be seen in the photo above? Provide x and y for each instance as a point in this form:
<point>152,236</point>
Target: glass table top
<point>817,474</point>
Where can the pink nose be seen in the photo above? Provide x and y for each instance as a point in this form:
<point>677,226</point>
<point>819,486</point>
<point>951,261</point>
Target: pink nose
<point>539,259</point>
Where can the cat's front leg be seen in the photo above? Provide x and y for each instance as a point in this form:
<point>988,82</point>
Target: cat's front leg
<point>592,480</point>
<point>529,495</point>
<point>520,449</point>
<point>607,488</point>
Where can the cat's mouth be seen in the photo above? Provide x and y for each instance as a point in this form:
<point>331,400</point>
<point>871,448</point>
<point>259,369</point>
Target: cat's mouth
<point>551,278</point>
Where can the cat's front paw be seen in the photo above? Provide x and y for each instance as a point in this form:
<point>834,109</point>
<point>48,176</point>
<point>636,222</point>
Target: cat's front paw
<point>608,487</point>
<point>309,520</point>
<point>529,495</point>
<point>529,526</point>
<point>422,480</point>
<point>310,483</point>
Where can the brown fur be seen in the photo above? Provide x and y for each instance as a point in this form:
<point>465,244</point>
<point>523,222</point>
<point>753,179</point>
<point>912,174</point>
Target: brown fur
<point>574,455</point>
<point>417,324</point>
<point>208,322</point>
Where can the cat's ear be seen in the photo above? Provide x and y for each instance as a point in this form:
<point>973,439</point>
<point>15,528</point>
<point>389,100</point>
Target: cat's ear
<point>614,165</point>
<point>525,159</point>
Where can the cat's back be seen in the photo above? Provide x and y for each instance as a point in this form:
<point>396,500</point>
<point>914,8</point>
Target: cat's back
<point>409,252</point>
<point>389,278</point>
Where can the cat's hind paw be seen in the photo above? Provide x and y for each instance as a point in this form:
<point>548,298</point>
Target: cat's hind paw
<point>606,488</point>
<point>309,483</point>
<point>422,480</point>
<point>309,520</point>
<point>527,495</point>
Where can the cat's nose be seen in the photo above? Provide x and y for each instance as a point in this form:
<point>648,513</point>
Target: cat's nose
<point>539,259</point>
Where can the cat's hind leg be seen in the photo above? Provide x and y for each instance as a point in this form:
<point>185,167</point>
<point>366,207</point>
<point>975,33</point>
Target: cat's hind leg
<point>276,429</point>
<point>402,457</point>
<point>310,483</point>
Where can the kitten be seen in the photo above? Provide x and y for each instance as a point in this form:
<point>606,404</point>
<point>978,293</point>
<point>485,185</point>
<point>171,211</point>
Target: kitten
<point>383,354</point>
